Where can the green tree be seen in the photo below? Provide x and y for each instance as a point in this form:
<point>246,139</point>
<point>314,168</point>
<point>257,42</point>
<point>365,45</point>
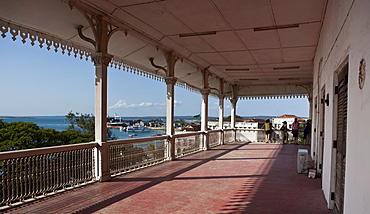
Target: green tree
<point>85,123</point>
<point>237,117</point>
<point>27,135</point>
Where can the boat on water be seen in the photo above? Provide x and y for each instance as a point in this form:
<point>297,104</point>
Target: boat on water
<point>137,128</point>
<point>116,122</point>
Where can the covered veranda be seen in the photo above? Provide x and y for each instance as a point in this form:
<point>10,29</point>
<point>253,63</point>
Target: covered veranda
<point>229,50</point>
<point>238,177</point>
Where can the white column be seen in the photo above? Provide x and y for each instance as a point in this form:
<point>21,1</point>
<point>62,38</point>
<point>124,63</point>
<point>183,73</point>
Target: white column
<point>221,98</point>
<point>221,118</point>
<point>170,105</point>
<point>101,61</point>
<point>233,112</point>
<point>221,112</point>
<point>170,79</point>
<point>204,118</point>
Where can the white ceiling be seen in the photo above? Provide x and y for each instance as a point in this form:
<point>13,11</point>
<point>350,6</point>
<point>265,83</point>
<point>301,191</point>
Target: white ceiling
<point>268,62</point>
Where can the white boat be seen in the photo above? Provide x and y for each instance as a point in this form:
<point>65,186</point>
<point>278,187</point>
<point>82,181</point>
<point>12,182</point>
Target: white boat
<point>137,128</point>
<point>116,122</point>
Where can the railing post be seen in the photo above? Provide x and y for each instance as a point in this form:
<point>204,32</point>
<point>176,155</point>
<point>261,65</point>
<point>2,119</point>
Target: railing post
<point>205,140</point>
<point>170,148</point>
<point>102,162</point>
<point>222,138</point>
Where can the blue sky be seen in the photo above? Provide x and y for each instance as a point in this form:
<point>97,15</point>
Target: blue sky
<point>38,82</point>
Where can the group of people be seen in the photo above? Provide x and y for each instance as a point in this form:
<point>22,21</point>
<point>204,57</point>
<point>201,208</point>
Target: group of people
<point>284,131</point>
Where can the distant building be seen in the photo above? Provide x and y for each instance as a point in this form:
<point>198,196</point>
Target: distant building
<point>192,127</point>
<point>240,123</point>
<point>277,122</point>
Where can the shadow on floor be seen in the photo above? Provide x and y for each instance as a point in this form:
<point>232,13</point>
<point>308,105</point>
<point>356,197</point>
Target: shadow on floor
<point>282,190</point>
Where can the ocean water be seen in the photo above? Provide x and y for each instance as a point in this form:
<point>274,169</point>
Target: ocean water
<point>60,123</point>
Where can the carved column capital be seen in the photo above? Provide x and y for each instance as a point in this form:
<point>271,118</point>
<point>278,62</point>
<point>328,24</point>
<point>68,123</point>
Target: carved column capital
<point>170,80</point>
<point>205,91</point>
<point>101,58</point>
<point>234,101</point>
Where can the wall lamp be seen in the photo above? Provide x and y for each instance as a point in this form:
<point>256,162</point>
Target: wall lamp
<point>327,99</point>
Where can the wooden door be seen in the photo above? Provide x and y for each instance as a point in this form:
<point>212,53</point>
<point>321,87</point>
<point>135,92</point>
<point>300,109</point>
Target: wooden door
<point>341,140</point>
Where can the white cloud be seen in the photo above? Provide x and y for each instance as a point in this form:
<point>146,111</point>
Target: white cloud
<point>177,102</point>
<point>123,104</point>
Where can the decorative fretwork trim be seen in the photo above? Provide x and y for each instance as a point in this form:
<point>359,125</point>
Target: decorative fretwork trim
<point>43,39</point>
<point>58,44</point>
<point>264,97</point>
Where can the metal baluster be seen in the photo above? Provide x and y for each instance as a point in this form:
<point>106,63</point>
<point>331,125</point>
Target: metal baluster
<point>70,168</point>
<point>73,166</point>
<point>92,163</point>
<point>81,177</point>
<point>6,185</point>
<point>12,181</point>
<point>83,165</point>
<point>33,176</point>
<point>41,174</point>
<point>57,171</point>
<point>27,174</point>
<point>21,179</point>
<point>64,171</point>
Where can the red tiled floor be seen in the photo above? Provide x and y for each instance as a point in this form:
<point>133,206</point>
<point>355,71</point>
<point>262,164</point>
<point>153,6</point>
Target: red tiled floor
<point>233,178</point>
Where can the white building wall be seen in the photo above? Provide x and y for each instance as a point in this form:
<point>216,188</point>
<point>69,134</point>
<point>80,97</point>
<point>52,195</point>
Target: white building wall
<point>227,125</point>
<point>278,122</point>
<point>345,37</point>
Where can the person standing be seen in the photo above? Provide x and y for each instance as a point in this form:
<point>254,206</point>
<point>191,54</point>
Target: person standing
<point>268,130</point>
<point>295,127</point>
<point>306,131</point>
<point>284,129</point>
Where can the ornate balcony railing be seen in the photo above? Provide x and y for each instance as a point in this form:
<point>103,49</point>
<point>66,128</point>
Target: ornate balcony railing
<point>229,135</point>
<point>188,143</point>
<point>29,174</point>
<point>129,155</point>
<point>215,138</point>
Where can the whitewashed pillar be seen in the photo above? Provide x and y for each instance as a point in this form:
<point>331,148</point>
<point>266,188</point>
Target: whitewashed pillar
<point>170,103</point>
<point>204,118</point>
<point>101,31</point>
<point>171,80</point>
<point>233,101</point>
<point>233,112</point>
<point>221,102</point>
<point>204,113</point>
<point>101,61</point>
<point>221,117</point>
<point>233,115</point>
